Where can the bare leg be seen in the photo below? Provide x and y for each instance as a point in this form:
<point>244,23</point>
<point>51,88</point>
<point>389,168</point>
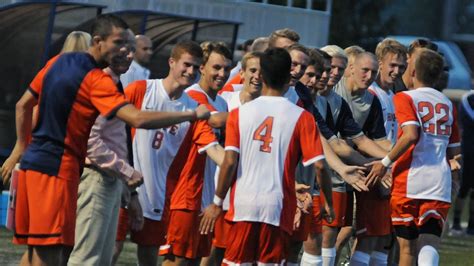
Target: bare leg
<point>117,250</point>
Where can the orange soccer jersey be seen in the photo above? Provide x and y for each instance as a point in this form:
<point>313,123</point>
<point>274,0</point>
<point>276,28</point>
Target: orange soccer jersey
<point>71,92</point>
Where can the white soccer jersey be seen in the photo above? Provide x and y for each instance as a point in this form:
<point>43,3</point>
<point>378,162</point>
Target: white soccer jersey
<point>423,171</point>
<point>293,97</point>
<point>271,134</point>
<point>215,106</point>
<point>388,110</point>
<point>161,154</point>
<point>232,99</point>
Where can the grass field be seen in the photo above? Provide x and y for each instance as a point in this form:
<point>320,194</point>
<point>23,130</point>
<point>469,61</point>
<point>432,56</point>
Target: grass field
<point>455,251</point>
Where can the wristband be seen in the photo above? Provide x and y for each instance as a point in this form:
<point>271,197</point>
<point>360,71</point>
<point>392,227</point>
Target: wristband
<point>386,161</point>
<point>217,201</point>
<point>133,193</point>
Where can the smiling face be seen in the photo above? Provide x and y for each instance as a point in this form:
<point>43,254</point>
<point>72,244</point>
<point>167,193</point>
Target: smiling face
<point>112,46</point>
<point>216,71</point>
<point>122,61</point>
<point>251,76</point>
<point>184,69</point>
<point>392,68</point>
<point>299,63</point>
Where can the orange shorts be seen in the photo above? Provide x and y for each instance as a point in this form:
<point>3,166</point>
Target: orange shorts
<point>183,238</point>
<point>45,209</point>
<point>251,242</point>
<point>316,225</point>
<point>372,214</point>
<point>221,231</point>
<point>339,200</point>
<point>153,233</point>
<point>122,227</point>
<point>408,212</point>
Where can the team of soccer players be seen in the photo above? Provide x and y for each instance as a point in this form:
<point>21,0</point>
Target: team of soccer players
<point>252,173</point>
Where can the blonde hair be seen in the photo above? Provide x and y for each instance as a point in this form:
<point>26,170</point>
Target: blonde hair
<point>283,33</point>
<point>335,51</point>
<point>389,45</point>
<point>77,41</point>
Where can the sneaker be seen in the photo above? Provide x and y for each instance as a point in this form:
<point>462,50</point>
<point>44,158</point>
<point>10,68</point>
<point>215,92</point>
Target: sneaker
<point>456,231</point>
<point>470,231</point>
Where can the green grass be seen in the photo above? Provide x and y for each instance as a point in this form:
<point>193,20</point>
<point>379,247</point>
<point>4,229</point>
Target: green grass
<point>455,251</point>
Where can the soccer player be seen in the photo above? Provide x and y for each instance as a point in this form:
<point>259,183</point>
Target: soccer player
<point>422,179</point>
<point>260,131</point>
<point>234,83</point>
<point>71,90</point>
<point>169,203</point>
<point>371,233</point>
<point>391,56</point>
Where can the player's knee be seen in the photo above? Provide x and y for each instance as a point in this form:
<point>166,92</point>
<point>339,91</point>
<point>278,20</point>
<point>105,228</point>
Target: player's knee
<point>407,232</point>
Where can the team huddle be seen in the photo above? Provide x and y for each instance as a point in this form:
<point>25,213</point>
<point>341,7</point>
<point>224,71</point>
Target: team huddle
<point>294,150</point>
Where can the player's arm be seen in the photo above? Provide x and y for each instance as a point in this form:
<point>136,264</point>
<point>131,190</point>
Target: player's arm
<point>385,144</point>
<point>150,120</point>
<point>100,154</point>
<point>410,134</point>
<point>346,152</point>
<point>369,147</point>
<point>218,120</point>
<point>353,175</point>
<point>216,153</point>
<point>212,212</point>
<point>23,118</point>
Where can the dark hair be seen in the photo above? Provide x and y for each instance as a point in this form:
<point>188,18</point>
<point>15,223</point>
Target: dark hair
<point>422,43</point>
<point>275,66</point>
<point>215,47</point>
<point>103,25</point>
<point>186,46</point>
<point>316,59</point>
<point>428,67</point>
<point>298,47</point>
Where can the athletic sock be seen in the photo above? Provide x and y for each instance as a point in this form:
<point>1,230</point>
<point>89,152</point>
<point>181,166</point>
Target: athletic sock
<point>311,260</point>
<point>378,259</point>
<point>329,256</point>
<point>428,256</point>
<point>359,258</point>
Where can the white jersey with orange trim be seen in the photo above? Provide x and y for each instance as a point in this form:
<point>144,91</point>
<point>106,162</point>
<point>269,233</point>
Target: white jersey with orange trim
<point>423,171</point>
<point>388,110</point>
<point>215,106</point>
<point>293,97</point>
<point>232,99</point>
<point>164,156</point>
<point>271,134</point>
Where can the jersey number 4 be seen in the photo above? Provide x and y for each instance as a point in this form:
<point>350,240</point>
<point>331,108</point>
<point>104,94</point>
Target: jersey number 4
<point>264,134</point>
<point>438,126</point>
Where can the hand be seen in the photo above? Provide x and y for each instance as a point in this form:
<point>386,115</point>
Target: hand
<point>387,180</point>
<point>209,218</point>
<point>8,167</point>
<point>135,181</point>
<point>376,174</point>
<point>455,163</point>
<point>327,213</point>
<point>202,113</point>
<point>297,219</point>
<point>355,176</point>
<point>304,200</point>
<point>135,213</point>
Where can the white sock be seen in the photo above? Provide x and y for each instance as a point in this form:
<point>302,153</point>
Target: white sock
<point>359,258</point>
<point>329,256</point>
<point>428,256</point>
<point>311,260</point>
<point>378,259</point>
